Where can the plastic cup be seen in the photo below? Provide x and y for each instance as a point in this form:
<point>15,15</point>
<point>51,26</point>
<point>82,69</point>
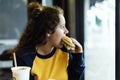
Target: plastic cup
<point>20,73</point>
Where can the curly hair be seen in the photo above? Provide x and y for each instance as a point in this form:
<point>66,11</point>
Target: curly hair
<point>43,19</point>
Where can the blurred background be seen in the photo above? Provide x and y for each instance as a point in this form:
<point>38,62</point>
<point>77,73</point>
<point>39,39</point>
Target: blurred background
<point>94,23</point>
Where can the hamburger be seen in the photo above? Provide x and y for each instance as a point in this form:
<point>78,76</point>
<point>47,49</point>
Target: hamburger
<point>67,42</point>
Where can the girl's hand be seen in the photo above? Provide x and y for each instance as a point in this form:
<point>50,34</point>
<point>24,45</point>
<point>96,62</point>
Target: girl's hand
<point>78,46</point>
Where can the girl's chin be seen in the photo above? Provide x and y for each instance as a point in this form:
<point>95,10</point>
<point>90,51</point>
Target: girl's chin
<point>60,46</point>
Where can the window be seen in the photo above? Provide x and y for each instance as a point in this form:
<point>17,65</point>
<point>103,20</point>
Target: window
<point>13,18</point>
<point>100,40</point>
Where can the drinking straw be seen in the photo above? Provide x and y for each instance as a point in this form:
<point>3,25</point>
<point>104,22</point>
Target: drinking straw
<point>14,58</point>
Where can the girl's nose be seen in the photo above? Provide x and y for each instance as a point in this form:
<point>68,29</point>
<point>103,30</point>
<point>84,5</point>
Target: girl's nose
<point>66,31</point>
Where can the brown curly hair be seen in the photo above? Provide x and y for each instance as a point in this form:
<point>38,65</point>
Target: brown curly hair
<point>43,19</point>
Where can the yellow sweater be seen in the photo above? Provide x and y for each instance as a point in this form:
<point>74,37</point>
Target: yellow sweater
<point>52,68</point>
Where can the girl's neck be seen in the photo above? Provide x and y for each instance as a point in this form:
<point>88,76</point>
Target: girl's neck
<point>44,49</point>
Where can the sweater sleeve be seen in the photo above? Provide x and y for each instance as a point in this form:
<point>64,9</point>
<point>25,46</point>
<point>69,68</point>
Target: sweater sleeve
<point>25,58</point>
<point>76,67</point>
<point>20,61</point>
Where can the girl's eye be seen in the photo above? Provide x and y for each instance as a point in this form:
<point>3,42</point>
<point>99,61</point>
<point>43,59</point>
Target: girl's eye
<point>63,26</point>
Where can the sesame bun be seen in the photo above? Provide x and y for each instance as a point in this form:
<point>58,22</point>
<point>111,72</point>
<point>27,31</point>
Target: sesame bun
<point>67,42</point>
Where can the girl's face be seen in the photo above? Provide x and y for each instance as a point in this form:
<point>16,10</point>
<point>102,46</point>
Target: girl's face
<point>60,31</point>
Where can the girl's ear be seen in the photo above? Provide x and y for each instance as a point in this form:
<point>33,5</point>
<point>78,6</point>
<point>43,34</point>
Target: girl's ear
<point>48,34</point>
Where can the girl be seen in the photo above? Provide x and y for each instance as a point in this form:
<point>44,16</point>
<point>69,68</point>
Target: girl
<point>40,46</point>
